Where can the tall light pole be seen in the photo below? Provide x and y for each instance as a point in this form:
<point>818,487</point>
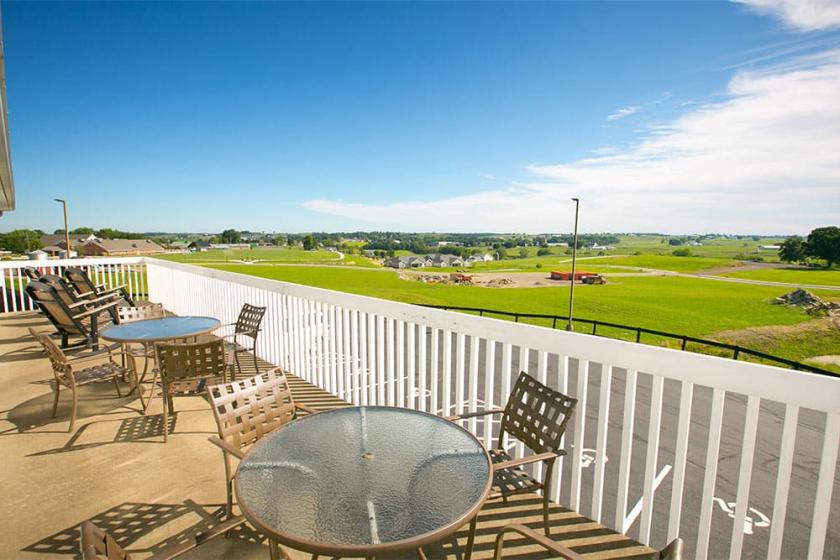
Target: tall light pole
<point>569,326</point>
<point>66,229</point>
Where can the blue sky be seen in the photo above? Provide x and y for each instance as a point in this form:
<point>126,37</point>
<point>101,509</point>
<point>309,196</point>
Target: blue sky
<point>673,117</point>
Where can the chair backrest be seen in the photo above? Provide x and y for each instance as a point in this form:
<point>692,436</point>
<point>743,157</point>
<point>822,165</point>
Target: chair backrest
<point>96,544</point>
<point>186,368</point>
<point>536,415</point>
<point>47,299</point>
<point>31,272</point>
<point>249,320</point>
<point>130,314</point>
<point>248,409</point>
<point>79,279</point>
<point>62,369</point>
<point>62,288</point>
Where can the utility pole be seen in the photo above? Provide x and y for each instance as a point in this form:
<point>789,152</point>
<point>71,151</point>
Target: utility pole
<point>569,326</point>
<point>66,229</point>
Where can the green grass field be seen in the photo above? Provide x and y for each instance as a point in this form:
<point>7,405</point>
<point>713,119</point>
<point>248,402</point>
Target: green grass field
<point>680,305</point>
<point>272,255</point>
<point>814,276</point>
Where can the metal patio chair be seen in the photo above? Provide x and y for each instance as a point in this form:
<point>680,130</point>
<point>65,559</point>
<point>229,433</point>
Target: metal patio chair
<point>674,551</point>
<point>96,544</point>
<point>186,369</point>
<point>247,326</point>
<point>82,318</point>
<point>76,371</point>
<point>86,288</point>
<point>535,415</point>
<point>31,272</point>
<point>146,350</point>
<point>247,410</point>
<point>69,296</point>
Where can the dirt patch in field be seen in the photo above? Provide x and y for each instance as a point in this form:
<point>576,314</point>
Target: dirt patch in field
<point>830,360</point>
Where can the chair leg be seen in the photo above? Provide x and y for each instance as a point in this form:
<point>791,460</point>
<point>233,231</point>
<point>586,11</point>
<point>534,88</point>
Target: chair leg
<point>117,387</point>
<point>549,471</point>
<point>546,526</point>
<point>165,419</point>
<point>471,538</point>
<point>237,369</point>
<point>73,412</point>
<point>254,354</point>
<point>57,388</point>
<point>229,499</point>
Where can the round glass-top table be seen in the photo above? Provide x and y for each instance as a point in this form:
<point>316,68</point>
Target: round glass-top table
<point>361,481</point>
<point>156,330</point>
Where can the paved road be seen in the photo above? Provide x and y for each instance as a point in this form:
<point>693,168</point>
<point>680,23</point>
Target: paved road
<point>757,529</point>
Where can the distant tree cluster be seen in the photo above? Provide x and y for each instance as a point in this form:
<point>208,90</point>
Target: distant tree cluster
<point>822,243</point>
<point>21,240</point>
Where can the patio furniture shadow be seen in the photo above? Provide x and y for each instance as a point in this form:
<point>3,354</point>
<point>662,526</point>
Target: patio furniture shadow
<point>95,399</point>
<point>131,521</point>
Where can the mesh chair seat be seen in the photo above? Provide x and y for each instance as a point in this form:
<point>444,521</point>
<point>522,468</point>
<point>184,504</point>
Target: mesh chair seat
<point>99,372</point>
<point>507,482</point>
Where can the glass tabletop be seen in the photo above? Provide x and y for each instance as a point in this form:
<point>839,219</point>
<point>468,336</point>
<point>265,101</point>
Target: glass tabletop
<point>160,329</point>
<point>371,479</point>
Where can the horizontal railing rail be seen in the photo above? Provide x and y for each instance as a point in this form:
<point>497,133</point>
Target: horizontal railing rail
<point>737,351</point>
<point>663,442</point>
<point>109,272</point>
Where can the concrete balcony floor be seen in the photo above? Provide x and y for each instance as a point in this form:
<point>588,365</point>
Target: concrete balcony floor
<point>115,470</point>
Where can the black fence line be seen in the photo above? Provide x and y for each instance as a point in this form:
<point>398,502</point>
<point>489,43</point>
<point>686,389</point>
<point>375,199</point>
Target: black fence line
<point>684,339</point>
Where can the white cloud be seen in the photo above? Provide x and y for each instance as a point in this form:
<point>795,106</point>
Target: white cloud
<point>765,160</point>
<point>803,15</point>
<point>623,112</point>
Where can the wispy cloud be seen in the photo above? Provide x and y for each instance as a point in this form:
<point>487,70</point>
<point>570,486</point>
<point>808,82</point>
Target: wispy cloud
<point>489,176</point>
<point>803,15</point>
<point>623,112</point>
<point>766,159</point>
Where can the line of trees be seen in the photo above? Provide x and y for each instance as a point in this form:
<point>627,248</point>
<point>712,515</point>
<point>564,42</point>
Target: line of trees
<point>822,243</point>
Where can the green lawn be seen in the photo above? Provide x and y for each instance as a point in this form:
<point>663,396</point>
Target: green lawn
<point>675,304</point>
<point>275,255</point>
<point>814,276</point>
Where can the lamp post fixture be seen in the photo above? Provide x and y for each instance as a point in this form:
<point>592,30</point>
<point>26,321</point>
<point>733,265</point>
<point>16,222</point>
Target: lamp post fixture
<point>66,229</point>
<point>569,326</point>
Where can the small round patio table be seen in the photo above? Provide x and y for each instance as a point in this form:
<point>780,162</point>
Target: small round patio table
<point>364,481</point>
<point>158,330</point>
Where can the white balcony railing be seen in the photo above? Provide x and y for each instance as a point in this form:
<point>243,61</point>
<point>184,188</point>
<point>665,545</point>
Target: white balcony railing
<point>737,458</point>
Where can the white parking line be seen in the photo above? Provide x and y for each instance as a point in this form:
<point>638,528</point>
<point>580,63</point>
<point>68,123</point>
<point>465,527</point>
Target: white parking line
<point>637,509</point>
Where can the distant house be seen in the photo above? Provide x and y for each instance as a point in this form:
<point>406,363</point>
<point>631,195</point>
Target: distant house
<point>200,246</point>
<point>37,255</point>
<point>369,253</point>
<point>769,247</point>
<point>230,246</point>
<point>448,243</point>
<point>550,244</point>
<point>447,260</point>
<point>121,247</point>
<point>410,261</point>
<point>179,245</point>
<point>54,244</point>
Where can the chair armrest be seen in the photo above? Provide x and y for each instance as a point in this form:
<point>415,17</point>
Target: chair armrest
<point>473,414</point>
<point>305,408</point>
<point>106,298</point>
<point>95,310</point>
<point>527,460</point>
<point>200,539</point>
<point>552,546</point>
<point>226,447</point>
